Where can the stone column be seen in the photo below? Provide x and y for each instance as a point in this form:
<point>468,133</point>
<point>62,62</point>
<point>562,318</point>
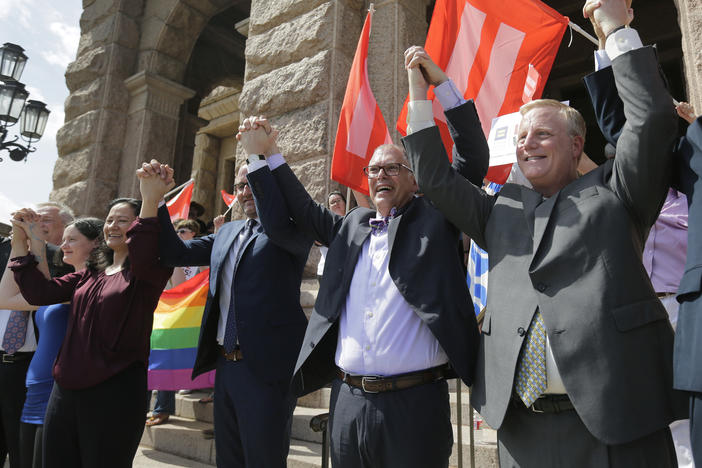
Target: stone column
<point>205,159</point>
<point>90,142</point>
<point>152,125</point>
<point>690,19</point>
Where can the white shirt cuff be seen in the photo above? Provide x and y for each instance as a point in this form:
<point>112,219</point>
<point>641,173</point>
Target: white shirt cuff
<point>419,116</point>
<point>275,161</point>
<point>257,164</point>
<point>448,95</point>
<point>602,60</point>
<point>622,41</point>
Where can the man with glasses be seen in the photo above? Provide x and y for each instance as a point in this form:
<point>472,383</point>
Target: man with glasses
<point>252,326</point>
<point>393,318</point>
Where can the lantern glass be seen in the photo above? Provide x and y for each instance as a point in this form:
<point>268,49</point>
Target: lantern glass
<point>33,120</point>
<point>12,61</point>
<point>12,97</point>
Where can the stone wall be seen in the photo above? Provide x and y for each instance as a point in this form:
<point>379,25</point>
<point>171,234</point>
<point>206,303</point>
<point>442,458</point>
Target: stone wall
<point>690,20</point>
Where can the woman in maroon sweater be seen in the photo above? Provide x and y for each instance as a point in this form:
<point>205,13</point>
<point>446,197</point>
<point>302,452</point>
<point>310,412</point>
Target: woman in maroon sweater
<point>95,416</point>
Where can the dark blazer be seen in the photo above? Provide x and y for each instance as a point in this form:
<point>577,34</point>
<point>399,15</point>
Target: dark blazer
<point>577,257</point>
<point>687,172</point>
<point>270,320</point>
<point>424,264</point>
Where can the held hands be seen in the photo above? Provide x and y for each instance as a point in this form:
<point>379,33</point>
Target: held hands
<point>257,136</point>
<point>608,15</point>
<point>421,72</point>
<point>27,221</point>
<point>685,111</point>
<point>155,180</point>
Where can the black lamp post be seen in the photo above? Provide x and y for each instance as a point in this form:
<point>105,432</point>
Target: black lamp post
<point>14,106</point>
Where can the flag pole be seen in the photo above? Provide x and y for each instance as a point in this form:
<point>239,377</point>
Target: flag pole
<point>584,33</point>
<point>178,188</point>
<point>230,208</point>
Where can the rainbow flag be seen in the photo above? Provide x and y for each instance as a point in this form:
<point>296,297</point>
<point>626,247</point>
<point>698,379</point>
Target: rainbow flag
<point>174,336</point>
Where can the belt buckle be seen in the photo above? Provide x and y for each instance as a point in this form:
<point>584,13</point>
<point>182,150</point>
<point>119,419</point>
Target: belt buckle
<point>233,357</point>
<point>8,358</point>
<point>369,378</point>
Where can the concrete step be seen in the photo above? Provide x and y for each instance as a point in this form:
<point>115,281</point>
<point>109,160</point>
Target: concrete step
<point>147,457</point>
<point>181,437</point>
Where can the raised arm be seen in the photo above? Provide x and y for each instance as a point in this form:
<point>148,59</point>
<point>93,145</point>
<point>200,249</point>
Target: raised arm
<point>280,193</point>
<point>10,296</point>
<point>156,179</point>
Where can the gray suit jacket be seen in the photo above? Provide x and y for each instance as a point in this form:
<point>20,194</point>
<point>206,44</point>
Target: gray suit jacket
<point>577,257</point>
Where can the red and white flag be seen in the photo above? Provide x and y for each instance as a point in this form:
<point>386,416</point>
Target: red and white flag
<point>486,48</point>
<point>361,125</point>
<point>179,206</point>
<point>228,198</point>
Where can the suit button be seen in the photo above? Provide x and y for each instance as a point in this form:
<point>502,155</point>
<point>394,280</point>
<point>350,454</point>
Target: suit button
<point>311,344</point>
<point>521,331</point>
<point>541,287</point>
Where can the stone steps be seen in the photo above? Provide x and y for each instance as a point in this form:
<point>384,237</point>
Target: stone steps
<point>183,435</point>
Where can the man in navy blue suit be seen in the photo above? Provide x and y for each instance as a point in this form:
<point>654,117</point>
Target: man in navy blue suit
<point>252,326</point>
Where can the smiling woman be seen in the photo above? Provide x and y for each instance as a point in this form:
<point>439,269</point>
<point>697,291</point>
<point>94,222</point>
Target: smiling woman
<point>105,352</point>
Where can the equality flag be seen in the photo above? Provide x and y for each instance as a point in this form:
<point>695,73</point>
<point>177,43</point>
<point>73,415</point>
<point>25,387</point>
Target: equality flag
<point>361,125</point>
<point>228,198</point>
<point>487,48</point>
<point>179,206</point>
<point>174,336</point>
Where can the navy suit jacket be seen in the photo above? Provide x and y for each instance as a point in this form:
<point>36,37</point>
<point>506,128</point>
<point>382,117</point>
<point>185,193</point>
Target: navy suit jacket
<point>687,172</point>
<point>270,320</point>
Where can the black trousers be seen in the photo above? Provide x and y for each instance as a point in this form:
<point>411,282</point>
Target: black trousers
<point>252,418</point>
<point>99,426</point>
<point>549,440</point>
<point>12,393</point>
<point>31,445</point>
<point>401,429</point>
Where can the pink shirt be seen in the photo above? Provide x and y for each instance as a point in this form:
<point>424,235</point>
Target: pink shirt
<point>666,246</point>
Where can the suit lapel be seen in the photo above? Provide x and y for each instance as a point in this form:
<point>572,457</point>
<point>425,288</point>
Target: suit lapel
<point>242,248</point>
<point>531,199</point>
<point>227,236</point>
<point>542,215</point>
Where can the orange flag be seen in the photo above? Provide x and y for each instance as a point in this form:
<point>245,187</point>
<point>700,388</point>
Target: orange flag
<point>228,198</point>
<point>361,125</point>
<point>179,206</point>
<point>496,55</point>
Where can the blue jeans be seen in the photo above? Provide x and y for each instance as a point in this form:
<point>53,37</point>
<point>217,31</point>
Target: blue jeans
<point>165,402</point>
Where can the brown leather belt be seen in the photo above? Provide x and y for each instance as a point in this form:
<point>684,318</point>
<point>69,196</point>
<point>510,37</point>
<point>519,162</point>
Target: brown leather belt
<point>16,357</point>
<point>665,294</point>
<point>377,384</point>
<point>546,404</point>
<point>233,356</point>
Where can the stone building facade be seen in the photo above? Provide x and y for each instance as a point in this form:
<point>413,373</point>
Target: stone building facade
<point>170,79</point>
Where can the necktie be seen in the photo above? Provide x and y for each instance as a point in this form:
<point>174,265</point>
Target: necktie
<point>16,331</point>
<point>230,329</point>
<point>531,374</point>
<point>379,225</point>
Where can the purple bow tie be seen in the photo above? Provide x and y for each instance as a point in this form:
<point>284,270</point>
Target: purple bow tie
<point>379,225</point>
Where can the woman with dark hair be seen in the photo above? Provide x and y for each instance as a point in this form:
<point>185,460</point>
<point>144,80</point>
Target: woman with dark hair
<point>81,241</point>
<point>95,415</point>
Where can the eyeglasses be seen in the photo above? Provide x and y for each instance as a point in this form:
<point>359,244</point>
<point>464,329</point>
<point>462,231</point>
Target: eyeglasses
<point>390,170</point>
<point>241,186</point>
<point>184,231</point>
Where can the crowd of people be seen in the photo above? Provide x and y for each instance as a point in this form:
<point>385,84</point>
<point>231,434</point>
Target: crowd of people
<point>575,362</point>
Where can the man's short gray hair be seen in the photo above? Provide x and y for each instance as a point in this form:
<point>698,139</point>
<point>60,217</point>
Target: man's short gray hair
<point>65,213</point>
<point>574,120</point>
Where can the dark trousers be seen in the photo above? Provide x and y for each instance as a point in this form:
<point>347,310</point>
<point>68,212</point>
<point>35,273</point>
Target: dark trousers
<point>252,418</point>
<point>31,445</point>
<point>99,426</point>
<point>549,440</point>
<point>399,429</point>
<point>696,427</point>
<point>12,393</point>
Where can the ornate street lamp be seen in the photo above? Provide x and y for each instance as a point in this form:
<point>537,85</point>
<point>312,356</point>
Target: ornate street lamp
<point>14,106</point>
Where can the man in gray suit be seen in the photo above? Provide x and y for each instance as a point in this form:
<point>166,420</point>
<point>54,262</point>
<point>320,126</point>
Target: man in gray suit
<point>575,358</point>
